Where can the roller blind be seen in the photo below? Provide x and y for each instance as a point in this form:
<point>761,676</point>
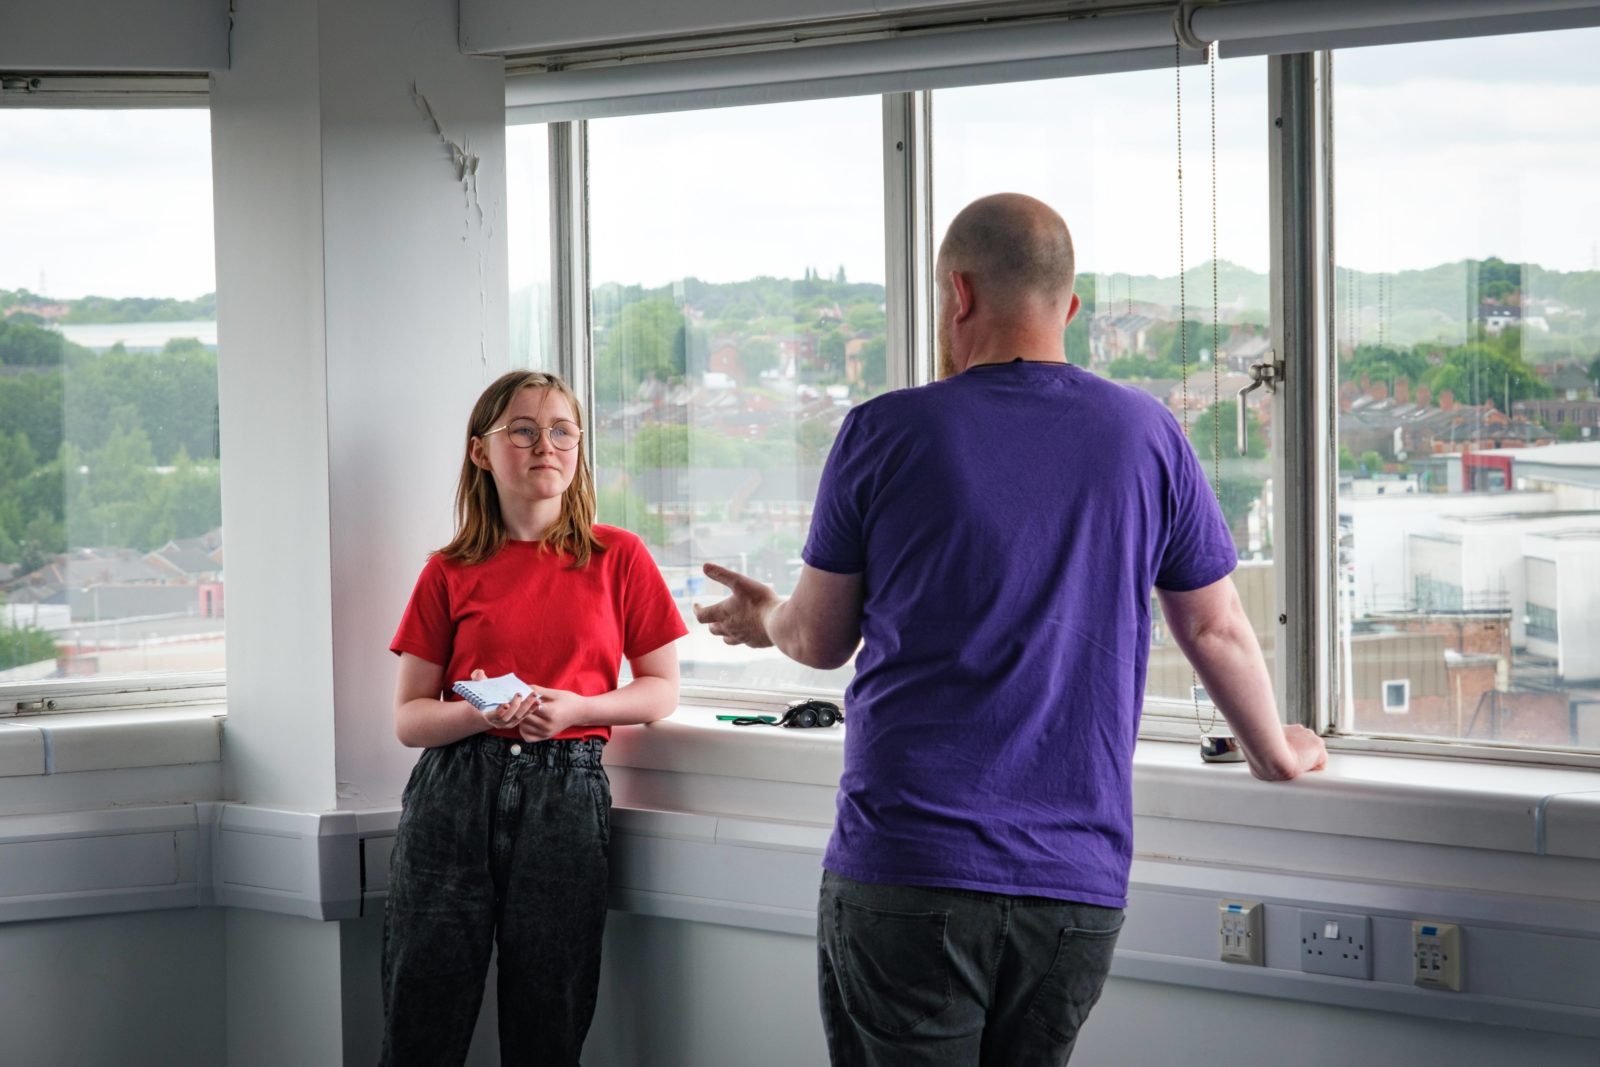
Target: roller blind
<point>1268,27</point>
<point>980,55</point>
<point>114,36</point>
<point>641,76</point>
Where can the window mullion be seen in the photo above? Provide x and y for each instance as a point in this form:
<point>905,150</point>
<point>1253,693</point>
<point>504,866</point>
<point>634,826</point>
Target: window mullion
<point>1300,467</point>
<point>569,259</point>
<point>908,236</point>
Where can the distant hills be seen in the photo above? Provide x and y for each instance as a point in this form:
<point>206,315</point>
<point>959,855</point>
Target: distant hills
<point>1560,309</point>
<point>98,309</point>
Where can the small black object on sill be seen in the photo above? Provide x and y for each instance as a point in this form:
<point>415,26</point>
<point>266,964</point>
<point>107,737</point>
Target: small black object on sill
<point>801,715</point>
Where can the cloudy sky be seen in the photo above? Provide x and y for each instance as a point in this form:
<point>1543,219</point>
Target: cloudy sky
<point>1444,150</point>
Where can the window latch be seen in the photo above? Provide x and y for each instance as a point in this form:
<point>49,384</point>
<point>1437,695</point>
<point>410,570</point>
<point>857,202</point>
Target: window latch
<point>1267,374</point>
<point>34,707</point>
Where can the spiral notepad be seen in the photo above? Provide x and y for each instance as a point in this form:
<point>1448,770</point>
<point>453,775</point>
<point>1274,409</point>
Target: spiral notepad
<point>489,693</point>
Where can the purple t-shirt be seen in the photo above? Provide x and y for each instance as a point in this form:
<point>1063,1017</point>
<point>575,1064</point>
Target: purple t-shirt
<point>1009,524</point>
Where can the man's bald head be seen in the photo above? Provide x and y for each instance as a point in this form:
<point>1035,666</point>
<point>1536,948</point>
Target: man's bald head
<point>1012,246</point>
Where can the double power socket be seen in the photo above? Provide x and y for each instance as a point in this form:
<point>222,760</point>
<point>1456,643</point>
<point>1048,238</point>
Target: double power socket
<point>1340,944</point>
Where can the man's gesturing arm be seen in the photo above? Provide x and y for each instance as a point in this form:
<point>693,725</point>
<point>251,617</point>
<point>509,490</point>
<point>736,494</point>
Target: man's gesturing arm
<point>819,626</point>
<point>1210,626</point>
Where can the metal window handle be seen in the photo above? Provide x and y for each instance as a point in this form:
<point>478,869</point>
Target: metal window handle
<point>1267,374</point>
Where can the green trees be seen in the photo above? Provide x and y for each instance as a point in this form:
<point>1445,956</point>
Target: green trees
<point>830,357</point>
<point>1384,363</point>
<point>646,334</point>
<point>1489,368</point>
<point>23,344</point>
<point>21,645</point>
<point>1482,371</point>
<point>644,340</point>
<point>141,309</point>
<point>875,363</point>
<point>118,449</point>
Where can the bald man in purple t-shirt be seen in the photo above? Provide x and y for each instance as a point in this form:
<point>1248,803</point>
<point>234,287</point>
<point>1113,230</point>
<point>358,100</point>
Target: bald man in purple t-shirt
<point>990,541</point>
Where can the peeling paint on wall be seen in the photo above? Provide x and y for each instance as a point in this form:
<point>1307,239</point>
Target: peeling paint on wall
<point>464,164</point>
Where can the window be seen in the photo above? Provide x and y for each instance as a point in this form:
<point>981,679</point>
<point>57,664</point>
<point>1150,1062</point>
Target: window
<point>111,546</point>
<point>1541,622</point>
<point>1461,331</point>
<point>736,264</point>
<point>1467,225</point>
<point>1109,170</point>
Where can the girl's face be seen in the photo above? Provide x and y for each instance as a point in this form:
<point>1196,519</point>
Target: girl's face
<point>539,419</point>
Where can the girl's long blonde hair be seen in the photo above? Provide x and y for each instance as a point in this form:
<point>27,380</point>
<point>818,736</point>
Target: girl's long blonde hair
<point>480,528</point>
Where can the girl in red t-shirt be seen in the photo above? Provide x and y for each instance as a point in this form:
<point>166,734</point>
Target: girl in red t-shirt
<point>505,822</point>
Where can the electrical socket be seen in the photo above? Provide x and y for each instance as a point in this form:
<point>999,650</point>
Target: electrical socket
<point>1436,955</point>
<point>1336,943</point>
<point>1239,929</point>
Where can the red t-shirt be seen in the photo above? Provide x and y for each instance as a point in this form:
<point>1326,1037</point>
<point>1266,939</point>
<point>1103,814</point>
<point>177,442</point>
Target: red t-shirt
<point>525,610</point>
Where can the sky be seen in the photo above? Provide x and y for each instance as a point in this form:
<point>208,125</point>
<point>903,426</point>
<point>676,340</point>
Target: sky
<point>113,203</point>
<point>1443,151</point>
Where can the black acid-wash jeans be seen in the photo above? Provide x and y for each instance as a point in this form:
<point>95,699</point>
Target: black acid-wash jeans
<point>501,844</point>
<point>923,977</point>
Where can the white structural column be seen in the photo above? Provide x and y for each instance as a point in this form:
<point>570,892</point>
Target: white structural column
<point>361,285</point>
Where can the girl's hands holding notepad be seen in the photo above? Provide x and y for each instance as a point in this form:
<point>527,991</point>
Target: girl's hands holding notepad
<point>508,715</point>
<point>538,714</point>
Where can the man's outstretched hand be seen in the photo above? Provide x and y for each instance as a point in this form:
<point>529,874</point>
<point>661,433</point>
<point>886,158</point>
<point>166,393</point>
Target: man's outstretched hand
<point>741,617</point>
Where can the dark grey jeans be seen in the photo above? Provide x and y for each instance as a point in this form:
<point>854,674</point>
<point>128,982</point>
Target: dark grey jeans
<point>922,977</point>
<point>500,845</point>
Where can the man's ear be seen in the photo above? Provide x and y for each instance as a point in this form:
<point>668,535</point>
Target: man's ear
<point>1072,310</point>
<point>961,285</point>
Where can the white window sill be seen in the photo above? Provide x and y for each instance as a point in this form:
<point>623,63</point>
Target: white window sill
<point>1533,810</point>
<point>110,740</point>
<point>1550,811</point>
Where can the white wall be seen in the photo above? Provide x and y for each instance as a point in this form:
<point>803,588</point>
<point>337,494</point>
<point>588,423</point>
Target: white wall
<point>676,994</point>
<point>1148,1023</point>
<point>140,990</point>
<point>1578,610</point>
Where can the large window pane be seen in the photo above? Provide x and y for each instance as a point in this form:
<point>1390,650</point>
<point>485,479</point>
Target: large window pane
<point>738,313</point>
<point>1468,327</point>
<point>110,514</point>
<point>1102,152</point>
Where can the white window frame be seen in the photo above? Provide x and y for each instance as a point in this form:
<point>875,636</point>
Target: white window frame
<point>1304,455</point>
<point>181,689</point>
<point>1404,706</point>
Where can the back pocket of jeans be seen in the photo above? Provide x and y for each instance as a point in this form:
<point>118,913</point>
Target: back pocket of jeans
<point>1074,981</point>
<point>894,972</point>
